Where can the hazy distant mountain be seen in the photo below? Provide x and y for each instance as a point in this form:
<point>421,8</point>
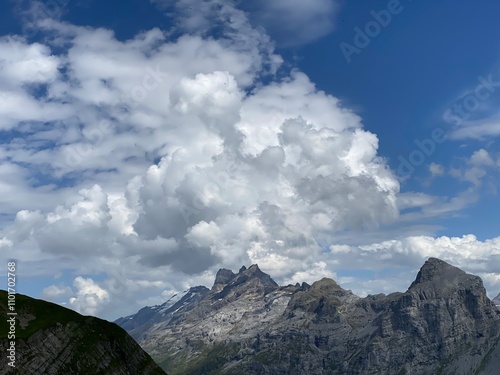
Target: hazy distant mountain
<point>54,340</point>
<point>247,324</point>
<point>496,300</point>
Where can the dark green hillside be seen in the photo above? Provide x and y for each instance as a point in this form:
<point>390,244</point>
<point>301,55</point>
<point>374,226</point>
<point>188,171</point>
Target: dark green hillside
<point>51,339</point>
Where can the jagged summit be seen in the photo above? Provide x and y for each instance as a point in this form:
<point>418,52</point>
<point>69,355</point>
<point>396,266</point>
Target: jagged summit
<point>247,280</point>
<point>437,271</point>
<point>223,277</point>
<point>256,271</point>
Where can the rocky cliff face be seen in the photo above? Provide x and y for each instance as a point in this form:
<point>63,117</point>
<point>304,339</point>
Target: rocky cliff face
<point>247,324</point>
<point>51,339</point>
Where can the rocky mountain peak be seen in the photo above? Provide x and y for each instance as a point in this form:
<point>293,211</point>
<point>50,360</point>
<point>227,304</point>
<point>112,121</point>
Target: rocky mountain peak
<point>325,284</point>
<point>436,271</point>
<point>255,272</point>
<point>253,269</point>
<point>224,276</point>
<point>247,280</point>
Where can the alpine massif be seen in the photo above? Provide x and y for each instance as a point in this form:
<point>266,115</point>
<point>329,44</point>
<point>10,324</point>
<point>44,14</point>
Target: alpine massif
<point>247,324</point>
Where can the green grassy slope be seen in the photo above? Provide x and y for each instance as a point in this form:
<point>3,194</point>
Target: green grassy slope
<point>53,339</point>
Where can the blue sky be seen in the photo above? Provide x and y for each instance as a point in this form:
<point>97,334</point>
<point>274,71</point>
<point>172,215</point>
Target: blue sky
<point>148,144</point>
<point>407,77</point>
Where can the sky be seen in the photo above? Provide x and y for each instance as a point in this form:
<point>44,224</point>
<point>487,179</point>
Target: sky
<point>147,145</point>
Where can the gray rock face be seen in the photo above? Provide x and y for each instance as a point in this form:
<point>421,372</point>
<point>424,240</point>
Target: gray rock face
<point>247,324</point>
<point>222,278</point>
<point>136,325</point>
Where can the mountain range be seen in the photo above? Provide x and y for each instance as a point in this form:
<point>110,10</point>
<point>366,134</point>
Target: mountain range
<point>248,324</point>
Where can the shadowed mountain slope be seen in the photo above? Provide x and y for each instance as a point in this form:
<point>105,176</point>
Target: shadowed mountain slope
<point>51,339</point>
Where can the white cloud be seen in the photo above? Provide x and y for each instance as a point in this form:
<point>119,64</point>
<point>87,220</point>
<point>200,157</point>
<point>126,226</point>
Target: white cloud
<point>316,272</point>
<point>406,255</point>
<point>54,292</point>
<point>90,297</point>
<point>289,22</point>
<point>436,169</point>
<point>481,158</point>
<point>26,64</point>
<point>244,176</point>
<point>480,130</point>
<point>478,167</point>
<point>177,159</point>
<point>424,206</point>
<point>5,243</point>
<point>293,22</point>
<point>79,229</point>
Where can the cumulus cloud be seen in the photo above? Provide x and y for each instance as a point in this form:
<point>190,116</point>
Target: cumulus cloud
<point>5,243</point>
<point>242,177</point>
<point>25,64</point>
<point>436,169</point>
<point>90,297</point>
<point>312,274</point>
<point>80,229</point>
<point>23,69</point>
<point>477,167</point>
<point>309,180</point>
<point>481,158</point>
<point>160,159</point>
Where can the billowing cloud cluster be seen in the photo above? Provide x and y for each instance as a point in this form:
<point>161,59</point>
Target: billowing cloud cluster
<point>183,161</point>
